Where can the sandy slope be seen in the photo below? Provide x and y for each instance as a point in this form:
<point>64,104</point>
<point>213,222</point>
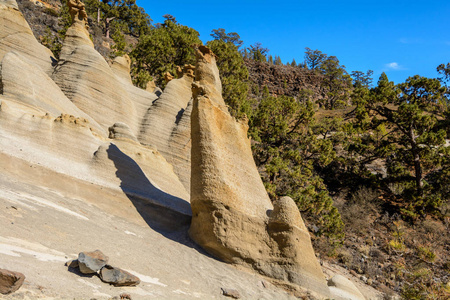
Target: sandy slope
<point>41,228</point>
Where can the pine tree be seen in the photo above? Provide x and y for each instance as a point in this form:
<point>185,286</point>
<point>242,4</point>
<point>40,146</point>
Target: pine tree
<point>258,53</point>
<point>403,124</point>
<point>314,58</point>
<point>293,63</point>
<point>288,150</point>
<point>162,49</point>
<point>336,83</point>
<point>278,61</point>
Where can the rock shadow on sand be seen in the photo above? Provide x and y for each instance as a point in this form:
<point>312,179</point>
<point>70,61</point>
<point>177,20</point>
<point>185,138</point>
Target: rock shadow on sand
<point>164,213</point>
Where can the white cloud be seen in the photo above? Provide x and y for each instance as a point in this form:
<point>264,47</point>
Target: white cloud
<point>394,66</point>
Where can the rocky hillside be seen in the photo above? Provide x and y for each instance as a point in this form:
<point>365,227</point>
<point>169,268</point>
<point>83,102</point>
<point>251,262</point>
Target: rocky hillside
<point>110,152</point>
<point>164,184</point>
<point>283,79</point>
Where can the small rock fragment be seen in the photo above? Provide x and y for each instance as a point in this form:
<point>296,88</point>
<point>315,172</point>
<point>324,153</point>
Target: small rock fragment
<point>10,281</point>
<point>118,277</point>
<point>72,263</point>
<point>91,262</point>
<point>231,293</point>
<point>125,296</point>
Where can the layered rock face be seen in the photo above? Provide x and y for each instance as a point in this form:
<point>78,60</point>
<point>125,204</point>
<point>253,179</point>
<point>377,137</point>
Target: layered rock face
<point>166,124</point>
<point>233,217</point>
<point>83,123</point>
<point>16,35</point>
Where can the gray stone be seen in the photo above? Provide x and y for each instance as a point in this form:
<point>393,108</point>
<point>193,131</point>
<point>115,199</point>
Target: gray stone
<point>10,281</point>
<point>91,262</point>
<point>118,277</point>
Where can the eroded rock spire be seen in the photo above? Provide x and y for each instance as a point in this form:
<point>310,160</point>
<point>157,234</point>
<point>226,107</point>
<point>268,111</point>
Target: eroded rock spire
<point>77,12</point>
<point>232,215</point>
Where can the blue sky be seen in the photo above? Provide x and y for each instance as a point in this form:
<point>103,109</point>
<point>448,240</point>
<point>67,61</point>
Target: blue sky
<point>401,38</point>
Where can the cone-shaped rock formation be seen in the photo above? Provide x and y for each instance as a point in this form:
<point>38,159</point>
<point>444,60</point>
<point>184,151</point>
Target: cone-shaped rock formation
<point>233,217</point>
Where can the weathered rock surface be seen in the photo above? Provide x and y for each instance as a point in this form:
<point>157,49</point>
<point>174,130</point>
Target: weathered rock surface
<point>121,131</point>
<point>10,281</point>
<point>77,12</point>
<point>118,277</point>
<point>166,124</point>
<point>121,67</point>
<point>16,35</point>
<point>230,207</point>
<point>91,262</point>
<point>343,289</point>
<point>88,81</point>
<point>29,85</point>
<point>104,92</point>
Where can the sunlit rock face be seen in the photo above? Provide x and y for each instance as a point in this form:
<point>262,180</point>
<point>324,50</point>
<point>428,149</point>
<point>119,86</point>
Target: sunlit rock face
<point>233,217</point>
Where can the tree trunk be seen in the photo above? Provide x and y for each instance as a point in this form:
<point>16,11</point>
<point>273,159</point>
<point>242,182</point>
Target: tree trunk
<point>107,23</point>
<point>417,164</point>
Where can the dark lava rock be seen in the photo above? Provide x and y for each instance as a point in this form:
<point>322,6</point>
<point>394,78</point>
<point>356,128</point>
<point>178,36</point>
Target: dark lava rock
<point>118,277</point>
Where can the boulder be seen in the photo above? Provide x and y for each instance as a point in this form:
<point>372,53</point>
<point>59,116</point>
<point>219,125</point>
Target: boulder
<point>342,288</point>
<point>118,277</point>
<point>10,281</point>
<point>91,262</point>
<point>232,215</point>
<point>121,131</point>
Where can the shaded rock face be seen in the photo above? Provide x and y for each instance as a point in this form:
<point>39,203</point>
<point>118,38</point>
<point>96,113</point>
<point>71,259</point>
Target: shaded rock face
<point>232,215</point>
<point>10,281</point>
<point>283,79</point>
